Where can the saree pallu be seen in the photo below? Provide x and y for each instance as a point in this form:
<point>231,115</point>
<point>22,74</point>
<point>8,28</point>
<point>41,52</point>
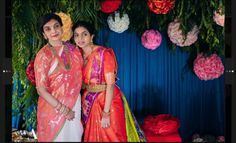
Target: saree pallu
<point>123,125</point>
<point>60,84</point>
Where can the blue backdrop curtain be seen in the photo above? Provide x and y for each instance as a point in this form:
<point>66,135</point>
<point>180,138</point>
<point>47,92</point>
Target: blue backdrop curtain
<point>160,82</point>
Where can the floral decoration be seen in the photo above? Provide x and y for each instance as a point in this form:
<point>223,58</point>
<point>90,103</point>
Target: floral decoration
<point>219,17</point>
<point>118,24</point>
<point>151,39</point>
<point>208,68</point>
<point>207,138</point>
<point>67,26</point>
<point>177,37</point>
<point>109,6</point>
<point>161,6</point>
<point>220,139</point>
<point>162,124</point>
<point>30,72</point>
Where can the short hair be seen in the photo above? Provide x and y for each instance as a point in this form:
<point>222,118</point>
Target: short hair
<point>46,18</point>
<point>84,24</point>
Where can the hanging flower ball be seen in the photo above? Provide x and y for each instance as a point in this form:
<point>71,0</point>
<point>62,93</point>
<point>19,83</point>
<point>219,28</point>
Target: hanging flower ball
<point>67,26</point>
<point>219,17</point>
<point>208,68</point>
<point>151,39</point>
<point>161,6</point>
<point>118,24</point>
<point>30,72</point>
<point>109,6</point>
<point>177,37</point>
<point>220,139</point>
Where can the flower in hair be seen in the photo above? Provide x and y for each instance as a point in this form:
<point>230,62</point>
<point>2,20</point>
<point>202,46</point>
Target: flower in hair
<point>67,26</point>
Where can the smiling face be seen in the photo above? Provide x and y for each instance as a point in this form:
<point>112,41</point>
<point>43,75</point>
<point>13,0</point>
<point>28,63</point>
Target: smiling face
<point>82,37</point>
<point>52,30</point>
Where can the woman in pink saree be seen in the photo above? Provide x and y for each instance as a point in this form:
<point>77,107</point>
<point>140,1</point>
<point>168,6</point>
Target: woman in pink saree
<point>105,111</point>
<point>56,66</point>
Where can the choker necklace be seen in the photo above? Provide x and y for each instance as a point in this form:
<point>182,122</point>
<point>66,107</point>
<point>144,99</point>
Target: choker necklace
<point>65,55</point>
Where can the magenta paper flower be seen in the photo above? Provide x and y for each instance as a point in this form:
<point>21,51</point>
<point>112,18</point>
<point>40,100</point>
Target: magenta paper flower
<point>219,17</point>
<point>176,35</point>
<point>208,68</point>
<point>151,39</point>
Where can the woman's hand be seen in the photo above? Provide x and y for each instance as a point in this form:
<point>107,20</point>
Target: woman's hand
<point>67,112</point>
<point>71,115</point>
<point>105,119</point>
<point>105,122</point>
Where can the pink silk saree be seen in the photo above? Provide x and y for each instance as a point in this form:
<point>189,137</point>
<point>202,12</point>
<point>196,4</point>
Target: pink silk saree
<point>63,84</point>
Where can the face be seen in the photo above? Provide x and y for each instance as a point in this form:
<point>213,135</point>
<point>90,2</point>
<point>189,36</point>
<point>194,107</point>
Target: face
<point>52,30</point>
<point>82,37</point>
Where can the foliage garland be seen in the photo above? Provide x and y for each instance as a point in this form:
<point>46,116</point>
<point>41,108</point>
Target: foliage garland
<point>27,41</point>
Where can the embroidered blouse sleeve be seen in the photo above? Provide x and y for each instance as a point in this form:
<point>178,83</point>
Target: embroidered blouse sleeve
<point>110,66</point>
<point>41,68</point>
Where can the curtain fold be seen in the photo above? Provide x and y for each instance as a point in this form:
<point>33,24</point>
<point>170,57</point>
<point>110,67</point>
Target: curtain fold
<point>160,82</point>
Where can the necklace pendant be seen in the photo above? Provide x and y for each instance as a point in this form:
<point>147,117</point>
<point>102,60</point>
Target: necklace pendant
<point>67,66</point>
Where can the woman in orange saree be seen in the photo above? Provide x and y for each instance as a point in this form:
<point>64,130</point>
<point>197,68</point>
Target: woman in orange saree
<point>105,111</point>
<point>56,66</point>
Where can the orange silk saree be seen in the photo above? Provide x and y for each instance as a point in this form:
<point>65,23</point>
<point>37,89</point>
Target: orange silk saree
<point>100,69</point>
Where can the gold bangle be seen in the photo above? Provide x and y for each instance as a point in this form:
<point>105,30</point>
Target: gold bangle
<point>62,109</point>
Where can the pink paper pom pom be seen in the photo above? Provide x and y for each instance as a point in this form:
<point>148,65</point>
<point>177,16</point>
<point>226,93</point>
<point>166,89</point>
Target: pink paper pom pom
<point>208,68</point>
<point>151,39</point>
<point>176,35</point>
<point>219,18</point>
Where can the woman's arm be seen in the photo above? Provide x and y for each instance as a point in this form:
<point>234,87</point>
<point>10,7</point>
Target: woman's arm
<point>106,110</point>
<point>47,96</point>
<point>68,113</point>
<point>109,97</point>
<point>110,68</point>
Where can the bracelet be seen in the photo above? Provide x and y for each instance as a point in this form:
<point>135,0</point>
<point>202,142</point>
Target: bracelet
<point>105,114</point>
<point>62,109</point>
<point>58,106</point>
